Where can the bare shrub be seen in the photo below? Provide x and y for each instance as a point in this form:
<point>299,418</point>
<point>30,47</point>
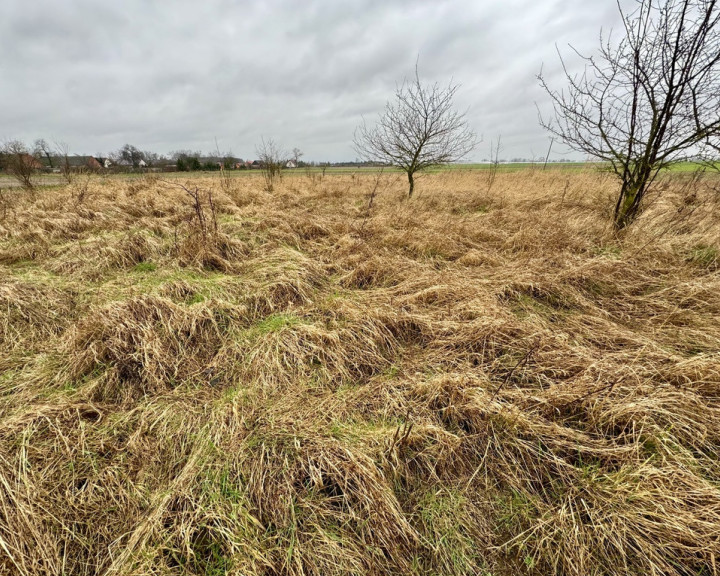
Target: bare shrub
<point>20,164</point>
<point>80,184</point>
<point>272,159</point>
<point>203,244</point>
<point>226,182</point>
<point>313,176</point>
<point>204,218</point>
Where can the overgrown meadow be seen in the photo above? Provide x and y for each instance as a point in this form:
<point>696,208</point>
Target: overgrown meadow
<point>201,377</point>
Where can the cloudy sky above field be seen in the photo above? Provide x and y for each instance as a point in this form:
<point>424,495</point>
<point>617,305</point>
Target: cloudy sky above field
<point>170,75</point>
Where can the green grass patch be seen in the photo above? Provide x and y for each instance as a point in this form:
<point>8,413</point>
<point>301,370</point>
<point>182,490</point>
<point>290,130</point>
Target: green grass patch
<point>689,167</point>
<point>447,526</point>
<point>705,256</point>
<point>515,512</point>
<point>353,431</point>
<point>145,267</point>
<point>274,323</point>
<point>608,250</point>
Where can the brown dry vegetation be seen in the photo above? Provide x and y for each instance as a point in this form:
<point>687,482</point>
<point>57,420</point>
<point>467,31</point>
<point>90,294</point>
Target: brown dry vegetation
<point>476,381</point>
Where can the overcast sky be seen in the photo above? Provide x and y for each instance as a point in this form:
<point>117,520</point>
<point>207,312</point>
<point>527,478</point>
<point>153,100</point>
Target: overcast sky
<point>170,75</point>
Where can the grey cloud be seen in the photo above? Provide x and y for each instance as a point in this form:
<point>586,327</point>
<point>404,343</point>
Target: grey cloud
<point>176,75</point>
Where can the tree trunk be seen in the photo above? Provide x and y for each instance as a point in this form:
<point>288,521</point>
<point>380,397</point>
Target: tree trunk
<point>628,204</point>
<point>412,184</point>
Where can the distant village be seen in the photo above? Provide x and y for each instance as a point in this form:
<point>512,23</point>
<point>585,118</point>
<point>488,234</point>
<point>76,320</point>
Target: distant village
<point>128,158</point>
<point>181,164</point>
<point>55,159</point>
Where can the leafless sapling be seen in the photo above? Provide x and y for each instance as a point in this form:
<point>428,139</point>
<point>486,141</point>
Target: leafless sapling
<point>494,162</point>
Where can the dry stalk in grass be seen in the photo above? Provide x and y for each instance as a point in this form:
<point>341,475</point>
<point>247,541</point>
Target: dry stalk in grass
<point>204,244</point>
<point>4,204</point>
<point>79,184</point>
<point>206,223</point>
<point>482,382</point>
<point>371,199</point>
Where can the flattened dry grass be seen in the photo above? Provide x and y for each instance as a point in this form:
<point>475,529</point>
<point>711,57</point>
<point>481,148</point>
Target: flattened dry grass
<point>484,379</point>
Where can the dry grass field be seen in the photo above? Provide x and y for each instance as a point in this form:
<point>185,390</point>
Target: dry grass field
<point>484,379</point>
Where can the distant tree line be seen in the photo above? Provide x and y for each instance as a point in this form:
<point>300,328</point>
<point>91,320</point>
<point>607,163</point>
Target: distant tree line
<point>42,156</point>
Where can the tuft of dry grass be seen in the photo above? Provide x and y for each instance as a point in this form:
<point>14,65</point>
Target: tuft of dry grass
<point>333,379</point>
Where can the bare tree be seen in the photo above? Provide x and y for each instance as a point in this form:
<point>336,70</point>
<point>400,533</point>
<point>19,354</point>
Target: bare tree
<point>130,156</point>
<point>418,129</point>
<point>41,149</point>
<point>271,158</point>
<point>648,101</point>
<point>296,155</point>
<point>20,163</point>
<point>152,158</point>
